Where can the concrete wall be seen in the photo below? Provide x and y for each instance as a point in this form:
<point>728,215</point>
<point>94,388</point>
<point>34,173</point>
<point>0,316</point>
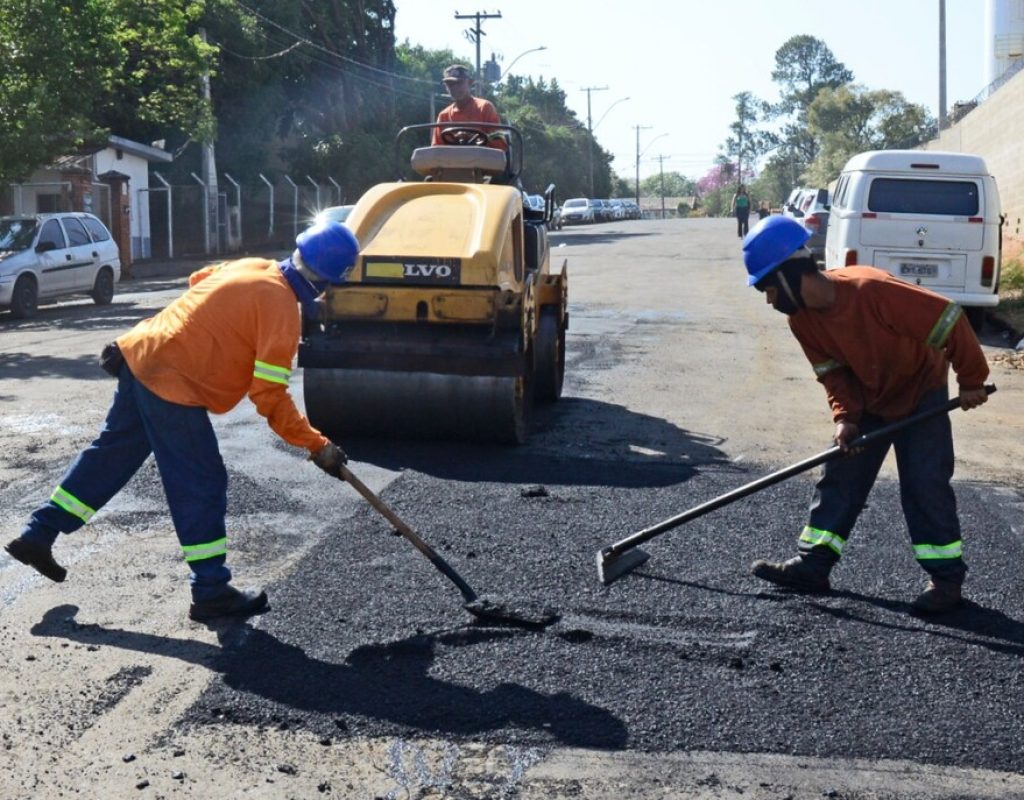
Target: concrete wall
<point>137,170</point>
<point>992,130</point>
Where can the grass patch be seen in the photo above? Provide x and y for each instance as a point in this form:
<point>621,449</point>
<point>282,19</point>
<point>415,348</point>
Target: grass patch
<point>1011,293</point>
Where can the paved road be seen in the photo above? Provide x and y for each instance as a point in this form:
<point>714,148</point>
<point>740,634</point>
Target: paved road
<point>686,679</point>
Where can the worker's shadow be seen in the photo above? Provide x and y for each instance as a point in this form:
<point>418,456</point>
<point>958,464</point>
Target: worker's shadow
<point>971,623</point>
<point>380,681</point>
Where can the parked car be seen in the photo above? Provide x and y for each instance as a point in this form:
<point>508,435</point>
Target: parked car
<point>49,256</point>
<point>928,217</point>
<point>632,209</point>
<point>578,211</point>
<point>810,208</point>
<point>618,209</point>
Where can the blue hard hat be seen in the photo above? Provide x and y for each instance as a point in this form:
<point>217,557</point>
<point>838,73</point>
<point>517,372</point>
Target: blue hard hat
<point>770,242</point>
<point>329,249</point>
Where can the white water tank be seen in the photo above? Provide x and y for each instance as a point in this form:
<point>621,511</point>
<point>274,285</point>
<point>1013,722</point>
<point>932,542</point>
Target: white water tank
<point>1004,36</point>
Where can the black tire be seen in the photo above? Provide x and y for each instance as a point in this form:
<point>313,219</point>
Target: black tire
<point>975,316</point>
<point>25,298</point>
<point>550,357</point>
<point>103,290</point>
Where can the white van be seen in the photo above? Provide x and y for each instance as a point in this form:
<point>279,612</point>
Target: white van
<point>930,218</point>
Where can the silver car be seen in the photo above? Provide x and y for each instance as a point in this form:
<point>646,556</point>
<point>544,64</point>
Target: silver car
<point>49,256</point>
<point>810,207</point>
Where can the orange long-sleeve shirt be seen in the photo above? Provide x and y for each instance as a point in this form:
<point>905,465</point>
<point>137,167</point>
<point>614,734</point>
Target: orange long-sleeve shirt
<point>234,332</point>
<point>884,343</point>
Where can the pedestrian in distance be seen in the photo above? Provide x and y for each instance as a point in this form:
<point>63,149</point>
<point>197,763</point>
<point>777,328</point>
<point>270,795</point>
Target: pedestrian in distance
<point>763,210</point>
<point>466,109</point>
<point>741,210</point>
<point>882,349</point>
<point>234,332</point>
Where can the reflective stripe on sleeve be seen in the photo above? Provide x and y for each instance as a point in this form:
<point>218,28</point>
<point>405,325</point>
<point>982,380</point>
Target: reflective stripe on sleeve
<point>816,536</point>
<point>824,367</point>
<point>272,373</point>
<point>197,552</point>
<point>939,334</point>
<point>931,552</point>
<point>71,504</point>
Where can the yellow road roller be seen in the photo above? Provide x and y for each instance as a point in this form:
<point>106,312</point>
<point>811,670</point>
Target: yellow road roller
<point>452,324</point>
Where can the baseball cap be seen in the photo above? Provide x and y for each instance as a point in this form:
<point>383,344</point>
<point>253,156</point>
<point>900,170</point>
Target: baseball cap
<point>457,72</point>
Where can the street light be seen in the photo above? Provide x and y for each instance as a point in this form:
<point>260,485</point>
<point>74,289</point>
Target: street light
<point>591,128</point>
<point>525,52</point>
<point>638,154</point>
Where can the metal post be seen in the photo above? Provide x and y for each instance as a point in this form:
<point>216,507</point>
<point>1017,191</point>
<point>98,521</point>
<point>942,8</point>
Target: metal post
<point>206,214</point>
<point>638,129</point>
<point>943,122</point>
<point>170,215</point>
<point>317,187</point>
<point>270,226</point>
<point>336,186</point>
<point>238,202</point>
<point>295,206</point>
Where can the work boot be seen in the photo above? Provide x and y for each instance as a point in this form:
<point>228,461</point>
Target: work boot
<point>37,556</point>
<point>938,597</point>
<point>803,574</point>
<point>231,602</point>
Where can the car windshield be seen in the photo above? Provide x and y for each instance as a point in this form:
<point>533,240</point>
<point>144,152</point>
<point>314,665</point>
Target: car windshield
<point>17,234</point>
<point>575,203</point>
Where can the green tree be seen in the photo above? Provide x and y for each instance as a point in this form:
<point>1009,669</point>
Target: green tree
<point>804,66</point>
<point>51,78</point>
<point>675,185</point>
<point>850,119</point>
<point>747,142</point>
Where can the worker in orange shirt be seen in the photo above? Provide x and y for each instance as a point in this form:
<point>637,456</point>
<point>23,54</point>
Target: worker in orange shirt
<point>882,348</point>
<point>235,332</point>
<point>466,109</point>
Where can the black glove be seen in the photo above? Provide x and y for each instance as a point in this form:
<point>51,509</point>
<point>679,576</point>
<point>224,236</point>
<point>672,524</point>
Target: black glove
<point>111,359</point>
<point>330,458</point>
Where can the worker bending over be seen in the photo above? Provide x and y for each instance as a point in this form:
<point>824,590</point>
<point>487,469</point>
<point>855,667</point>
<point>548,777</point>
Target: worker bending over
<point>882,349</point>
<point>234,332</point>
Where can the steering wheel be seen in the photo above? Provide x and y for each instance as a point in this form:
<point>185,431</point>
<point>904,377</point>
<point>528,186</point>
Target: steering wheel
<point>463,136</point>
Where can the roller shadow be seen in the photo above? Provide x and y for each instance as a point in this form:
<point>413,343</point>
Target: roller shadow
<point>388,681</point>
<point>575,442</point>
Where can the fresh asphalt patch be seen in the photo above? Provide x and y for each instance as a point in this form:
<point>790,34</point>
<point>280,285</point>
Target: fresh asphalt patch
<point>689,652</point>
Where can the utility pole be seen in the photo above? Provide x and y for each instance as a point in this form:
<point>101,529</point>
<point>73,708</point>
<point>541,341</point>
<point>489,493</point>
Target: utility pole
<point>478,33</point>
<point>661,167</point>
<point>638,129</point>
<point>209,170</point>
<point>590,137</point>
<point>942,65</point>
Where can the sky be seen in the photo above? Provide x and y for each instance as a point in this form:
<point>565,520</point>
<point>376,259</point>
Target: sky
<point>680,62</point>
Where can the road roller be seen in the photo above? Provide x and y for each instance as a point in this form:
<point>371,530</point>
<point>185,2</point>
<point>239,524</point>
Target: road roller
<point>452,324</point>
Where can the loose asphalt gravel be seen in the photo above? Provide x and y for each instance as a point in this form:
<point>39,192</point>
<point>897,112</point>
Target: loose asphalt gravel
<point>688,653</point>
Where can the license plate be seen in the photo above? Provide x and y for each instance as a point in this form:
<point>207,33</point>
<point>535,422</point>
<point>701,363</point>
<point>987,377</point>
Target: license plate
<point>919,269</point>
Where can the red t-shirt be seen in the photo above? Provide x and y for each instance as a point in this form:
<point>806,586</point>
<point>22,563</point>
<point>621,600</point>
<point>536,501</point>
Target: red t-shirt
<point>475,110</point>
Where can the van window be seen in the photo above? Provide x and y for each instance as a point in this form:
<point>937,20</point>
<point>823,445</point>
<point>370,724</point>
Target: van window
<point>902,196</point>
<point>840,198</point>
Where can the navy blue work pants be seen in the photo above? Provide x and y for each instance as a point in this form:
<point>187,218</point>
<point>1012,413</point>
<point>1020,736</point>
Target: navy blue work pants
<point>184,445</point>
<point>924,458</point>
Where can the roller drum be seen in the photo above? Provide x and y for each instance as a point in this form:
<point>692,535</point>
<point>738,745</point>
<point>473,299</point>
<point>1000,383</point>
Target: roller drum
<point>360,402</point>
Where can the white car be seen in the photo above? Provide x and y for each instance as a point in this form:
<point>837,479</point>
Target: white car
<point>49,256</point>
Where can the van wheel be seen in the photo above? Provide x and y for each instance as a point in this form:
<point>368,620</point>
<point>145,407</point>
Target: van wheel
<point>25,298</point>
<point>103,290</point>
<point>976,316</point>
